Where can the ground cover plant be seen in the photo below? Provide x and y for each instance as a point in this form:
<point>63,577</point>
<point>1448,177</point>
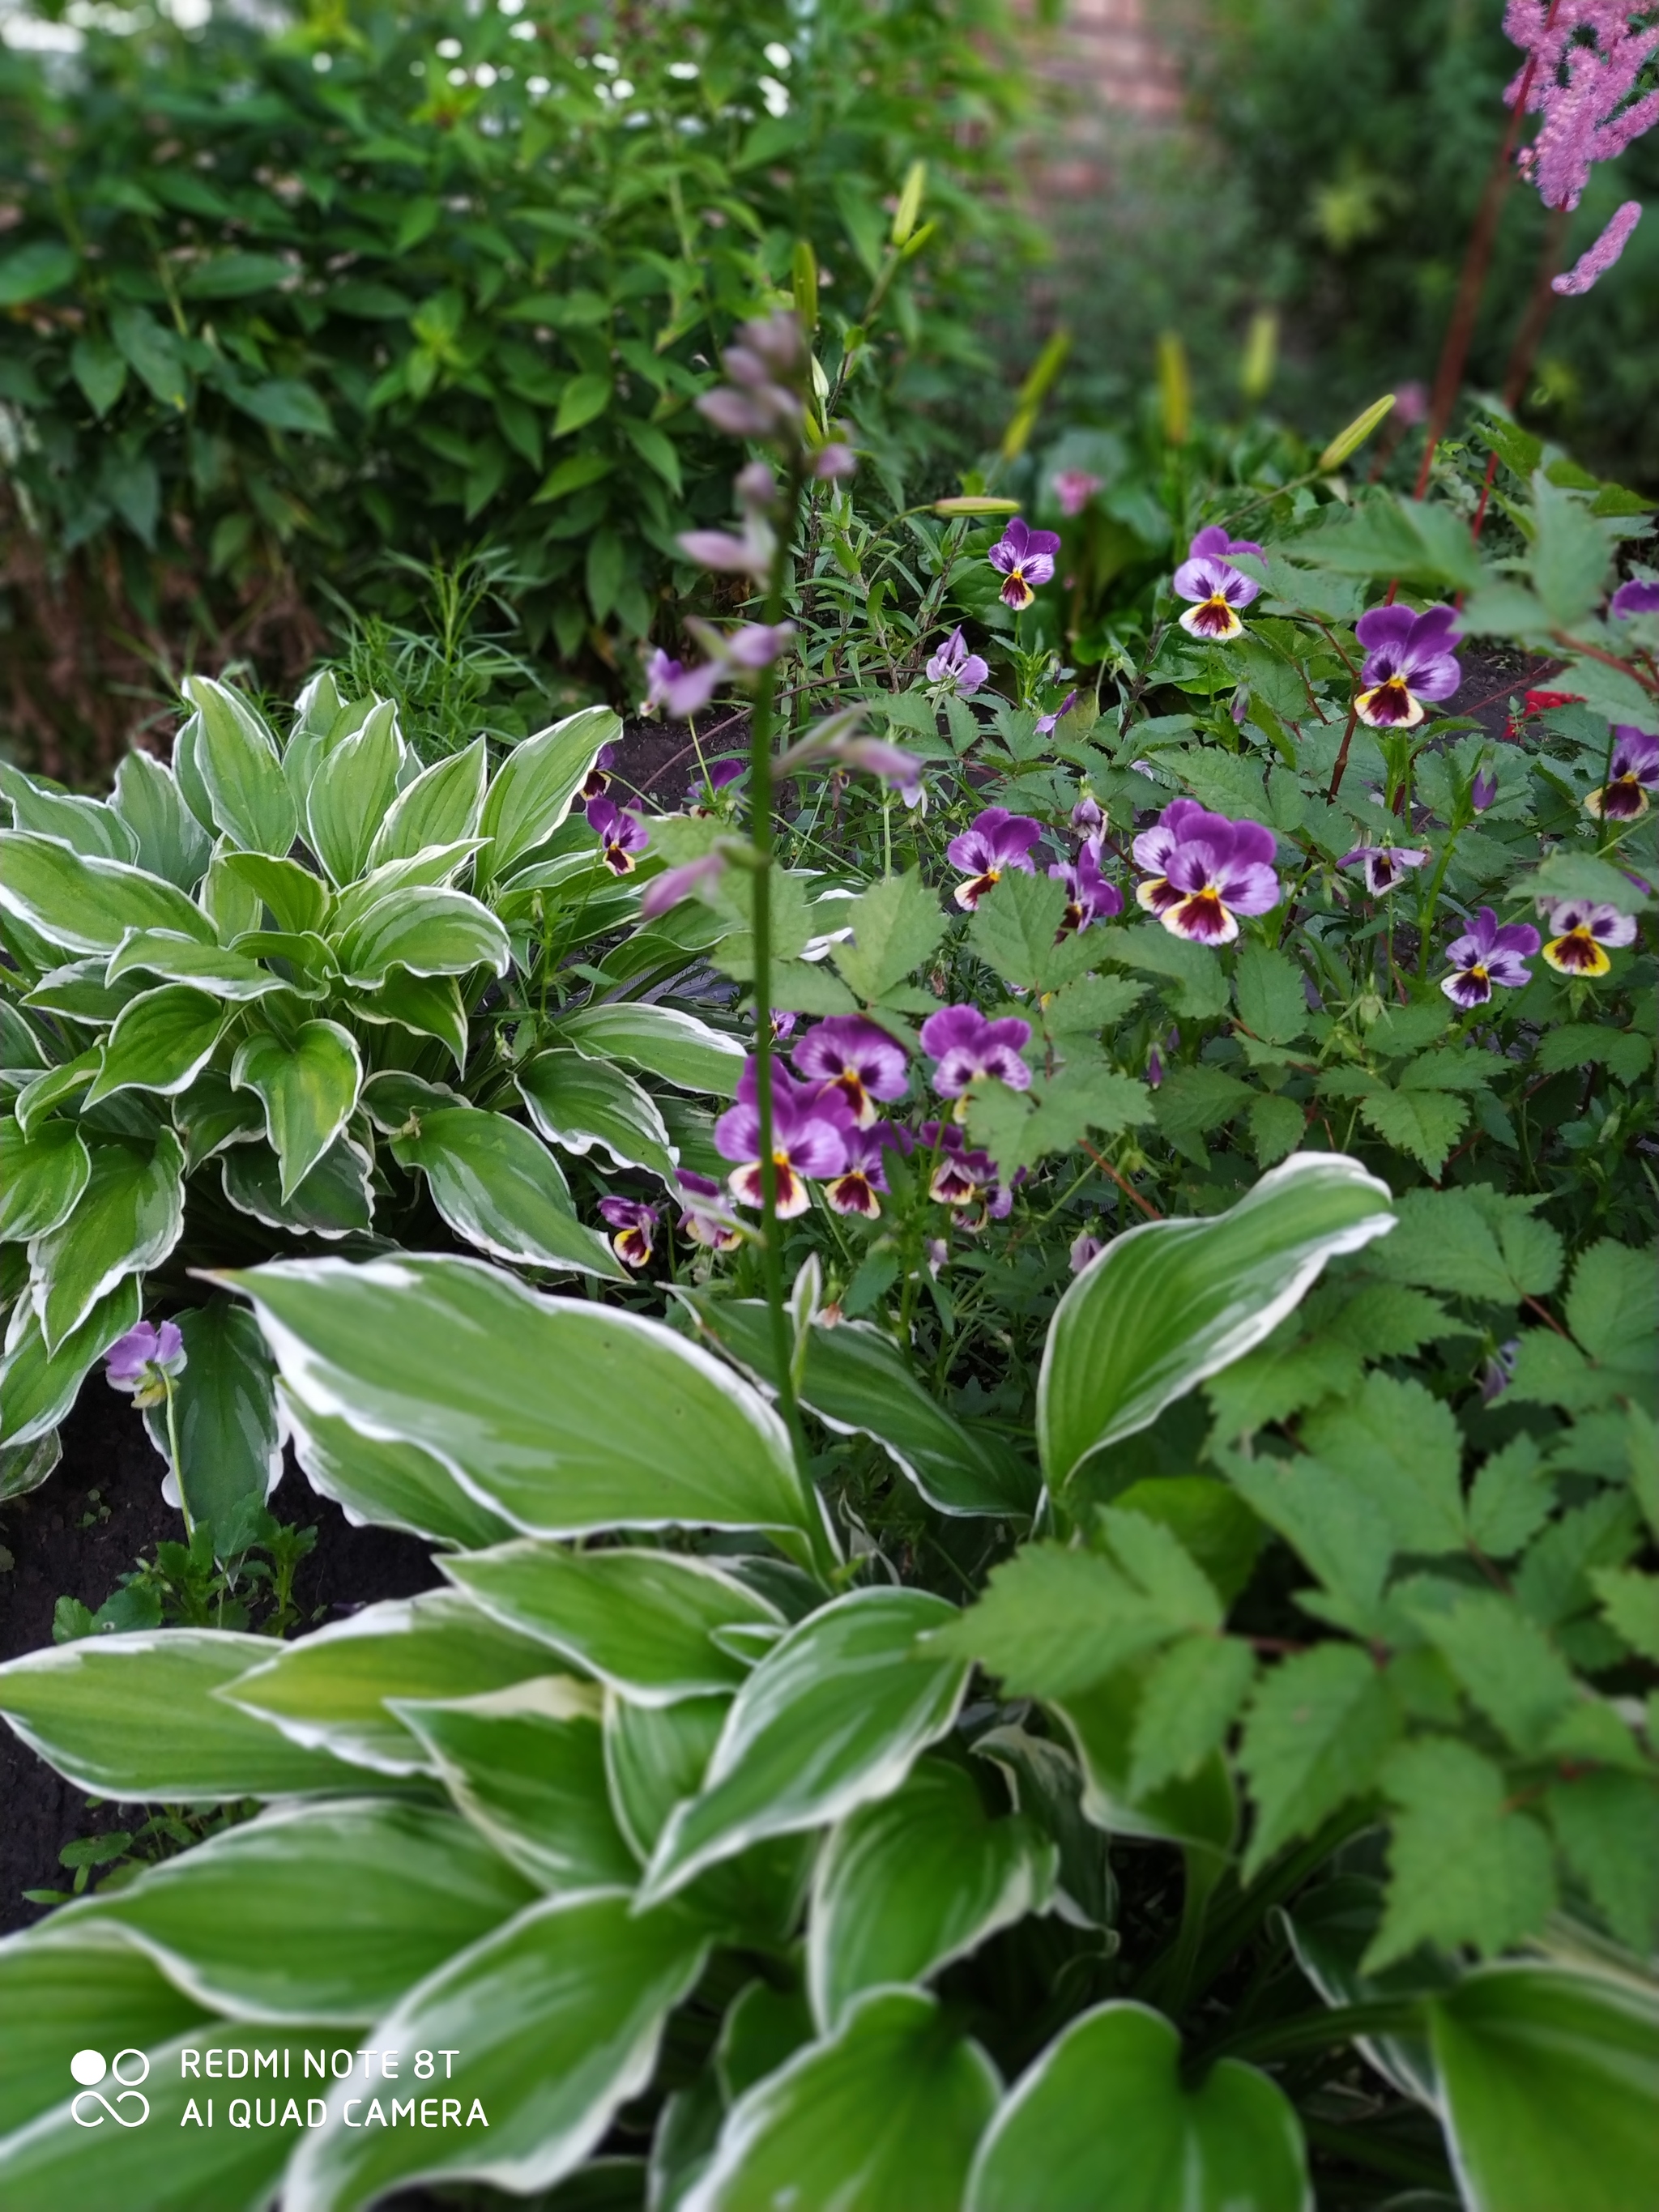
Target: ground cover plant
<point>1074,1622</point>
<point>277,300</point>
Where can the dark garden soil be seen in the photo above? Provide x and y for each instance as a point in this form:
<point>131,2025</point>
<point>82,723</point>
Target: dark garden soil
<point>75,1537</point>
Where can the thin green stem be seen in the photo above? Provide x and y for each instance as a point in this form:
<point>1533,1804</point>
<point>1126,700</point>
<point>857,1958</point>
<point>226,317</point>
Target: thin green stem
<point>1318,2031</point>
<point>178,1468</point>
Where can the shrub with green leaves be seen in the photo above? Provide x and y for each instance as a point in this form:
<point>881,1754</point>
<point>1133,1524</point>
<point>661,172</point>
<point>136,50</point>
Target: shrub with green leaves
<point>430,281</point>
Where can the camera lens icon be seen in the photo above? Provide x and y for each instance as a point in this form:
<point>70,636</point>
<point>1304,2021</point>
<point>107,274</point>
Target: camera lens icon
<point>88,2068</point>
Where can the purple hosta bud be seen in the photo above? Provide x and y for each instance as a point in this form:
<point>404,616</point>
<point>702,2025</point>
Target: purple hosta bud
<point>662,674</point>
<point>758,644</point>
<point>891,763</point>
<point>954,668</point>
<point>145,1360</point>
<point>1154,1068</point>
<point>835,461</point>
<point>748,555</point>
<point>1088,815</point>
<point>1498,1372</point>
<point>756,488</point>
<point>937,1252</point>
<point>1483,789</point>
<point>1085,1247</point>
<point>635,1224</point>
<point>1074,488</point>
<point>742,415</point>
<point>1634,598</point>
<point>777,341</point>
<point>668,889</point>
<point>1048,724</point>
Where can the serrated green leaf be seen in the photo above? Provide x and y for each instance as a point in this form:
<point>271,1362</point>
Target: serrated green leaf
<point>1423,1123</point>
<point>1190,1697</point>
<point>1014,930</point>
<point>1464,1868</point>
<point>1504,1661</point>
<point>1272,1003</point>
<point>1052,1621</point>
<point>1277,1127</point>
<point>1317,1734</point>
<point>1510,1500</point>
<point>1196,978</point>
<point>1400,1446</point>
<point>1631,1601</point>
<point>895,926</point>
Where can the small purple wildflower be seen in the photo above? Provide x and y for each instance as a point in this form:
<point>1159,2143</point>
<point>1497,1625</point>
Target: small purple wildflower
<point>1580,929</point>
<point>635,1224</point>
<point>1074,488</point>
<point>1483,790</point>
<point>1085,1247</point>
<point>1048,724</point>
<point>859,1188</point>
<point>1634,598</point>
<point>1498,1372</point>
<point>963,1174</point>
<point>954,668</point>
<point>856,1057</point>
<point>144,1360</point>
<point>1088,897</point>
<point>811,1126</point>
<point>1488,954</point>
<point>1023,558</point>
<point>705,1219</point>
<point>1213,870</point>
<point>1408,659</point>
<point>967,1045</point>
<point>1384,865</point>
<point>994,841</point>
<point>1633,772</point>
<point>621,835</point>
<point>1208,576</point>
<point>598,779</point>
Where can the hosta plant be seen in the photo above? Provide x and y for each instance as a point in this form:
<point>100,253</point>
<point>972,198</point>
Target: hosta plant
<point>1267,1828</point>
<point>284,995</point>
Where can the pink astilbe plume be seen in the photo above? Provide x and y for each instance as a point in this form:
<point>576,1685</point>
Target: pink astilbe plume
<point>1584,61</point>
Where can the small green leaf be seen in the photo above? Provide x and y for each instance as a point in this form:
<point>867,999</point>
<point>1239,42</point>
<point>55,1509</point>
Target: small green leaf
<point>308,1089</point>
<point>498,1185</point>
<point>42,1176</point>
<point>1191,1695</point>
<point>129,1217</point>
<point>897,925</point>
<point>30,272</point>
<point>161,1043</point>
<point>1318,1731</point>
<point>1465,1868</point>
<point>583,398</point>
<point>1271,1004</point>
<point>1400,1446</point>
<point>577,1102</point>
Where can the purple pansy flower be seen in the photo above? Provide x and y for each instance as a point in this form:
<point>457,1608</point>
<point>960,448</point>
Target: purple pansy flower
<point>1213,870</point>
<point>1488,954</point>
<point>598,780</point>
<point>1408,658</point>
<point>994,841</point>
<point>1580,929</point>
<point>621,835</point>
<point>811,1126</point>
<point>635,1224</point>
<point>142,1361</point>
<point>860,1188</point>
<point>1208,576</point>
<point>1384,865</point>
<point>717,776</point>
<point>1634,598</point>
<point>963,1176</point>
<point>1074,488</point>
<point>1048,724</point>
<point>1632,773</point>
<point>705,1219</point>
<point>1023,558</point>
<point>1088,815</point>
<point>856,1058</point>
<point>955,668</point>
<point>1088,897</point>
<point>967,1045</point>
<point>1084,1248</point>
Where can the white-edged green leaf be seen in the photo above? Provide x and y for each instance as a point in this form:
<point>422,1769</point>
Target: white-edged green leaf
<point>832,1718</point>
<point>369,1895</point>
<point>557,2017</point>
<point>25,1467</point>
<point>442,806</point>
<point>73,1986</point>
<point>224,1416</point>
<point>431,868</point>
<point>296,896</point>
<point>89,905</point>
<point>1550,2089</point>
<point>351,791</point>
<point>566,1417</point>
<point>86,825</point>
<point>171,843</point>
<point>135,1716</point>
<point>1171,1302</point>
<point>429,1006</point>
<point>497,1184</point>
<point>236,758</point>
<point>307,1088</point>
<point>150,2161</point>
<point>129,1217</point>
<point>332,1199</point>
<point>663,1040</point>
<point>385,1483</point>
<point>1104,1724</point>
<point>428,931</point>
<point>884,2115</point>
<point>526,1766</point>
<point>641,1619</point>
<point>41,1177</point>
<point>38,1386</point>
<point>578,1102</point>
<point>161,1042</point>
<point>857,1384</point>
<point>1103,2118</point>
<point>210,968</point>
<point>328,1690</point>
<point>534,788</point>
<point>919,1879</point>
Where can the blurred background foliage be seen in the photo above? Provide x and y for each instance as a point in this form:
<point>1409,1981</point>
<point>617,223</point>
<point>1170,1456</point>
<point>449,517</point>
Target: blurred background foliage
<point>377,332</point>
